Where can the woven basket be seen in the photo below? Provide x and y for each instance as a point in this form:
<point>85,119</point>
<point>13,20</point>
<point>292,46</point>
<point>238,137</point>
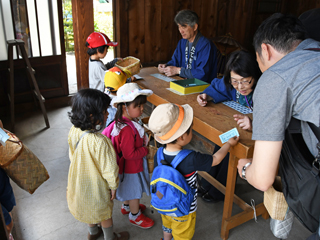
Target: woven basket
<point>130,64</point>
<point>274,201</point>
<point>23,167</point>
<point>152,149</point>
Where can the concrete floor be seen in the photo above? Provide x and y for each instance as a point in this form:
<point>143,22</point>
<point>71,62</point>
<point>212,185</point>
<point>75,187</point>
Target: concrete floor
<point>44,215</point>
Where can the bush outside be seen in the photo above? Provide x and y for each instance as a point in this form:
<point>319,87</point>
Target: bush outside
<point>103,22</point>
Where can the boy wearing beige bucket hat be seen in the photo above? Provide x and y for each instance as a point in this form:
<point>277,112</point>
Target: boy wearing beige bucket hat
<point>172,125</point>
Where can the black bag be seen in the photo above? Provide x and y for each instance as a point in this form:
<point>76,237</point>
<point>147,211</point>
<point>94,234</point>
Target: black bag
<point>299,171</point>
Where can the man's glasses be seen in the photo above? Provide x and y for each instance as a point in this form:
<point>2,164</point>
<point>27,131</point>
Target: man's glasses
<point>244,83</point>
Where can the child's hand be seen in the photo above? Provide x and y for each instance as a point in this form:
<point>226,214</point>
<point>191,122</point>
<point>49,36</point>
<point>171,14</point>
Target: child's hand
<point>133,78</point>
<point>202,99</point>
<point>243,121</point>
<point>233,141</point>
<point>113,194</point>
<point>161,68</point>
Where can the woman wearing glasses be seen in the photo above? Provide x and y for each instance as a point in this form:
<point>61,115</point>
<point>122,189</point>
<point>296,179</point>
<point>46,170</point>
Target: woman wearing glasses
<point>241,76</point>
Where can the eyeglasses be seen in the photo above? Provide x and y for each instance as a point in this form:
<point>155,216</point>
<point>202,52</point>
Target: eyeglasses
<point>244,83</point>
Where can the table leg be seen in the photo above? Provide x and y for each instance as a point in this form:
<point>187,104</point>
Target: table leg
<point>228,200</point>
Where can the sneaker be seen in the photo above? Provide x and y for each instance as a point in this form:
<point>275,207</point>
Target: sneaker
<point>208,198</point>
<point>121,236</point>
<point>95,236</point>
<point>201,191</point>
<point>142,221</point>
<point>142,207</point>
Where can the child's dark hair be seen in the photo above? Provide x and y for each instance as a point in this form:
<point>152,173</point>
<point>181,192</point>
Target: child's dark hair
<point>139,100</point>
<point>88,108</point>
<point>187,132</point>
<point>92,51</point>
<point>244,64</point>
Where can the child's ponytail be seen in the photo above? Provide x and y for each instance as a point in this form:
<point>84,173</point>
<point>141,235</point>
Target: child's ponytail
<point>118,116</point>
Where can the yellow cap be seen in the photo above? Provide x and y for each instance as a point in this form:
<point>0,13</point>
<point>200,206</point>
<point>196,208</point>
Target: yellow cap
<point>115,78</point>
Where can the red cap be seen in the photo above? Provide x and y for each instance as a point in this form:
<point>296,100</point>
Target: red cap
<point>98,39</point>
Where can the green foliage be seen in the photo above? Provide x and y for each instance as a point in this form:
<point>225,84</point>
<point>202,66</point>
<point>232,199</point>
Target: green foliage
<point>68,25</point>
<point>103,22</point>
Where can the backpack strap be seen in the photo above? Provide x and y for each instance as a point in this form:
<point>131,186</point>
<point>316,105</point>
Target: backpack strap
<point>313,49</point>
<point>177,159</point>
<point>160,155</point>
<point>295,127</point>
<point>85,133</point>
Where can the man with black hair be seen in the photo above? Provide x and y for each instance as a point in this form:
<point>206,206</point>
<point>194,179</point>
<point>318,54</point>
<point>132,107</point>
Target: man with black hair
<point>195,55</point>
<point>289,87</point>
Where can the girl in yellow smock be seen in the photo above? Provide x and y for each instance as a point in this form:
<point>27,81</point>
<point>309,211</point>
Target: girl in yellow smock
<point>93,172</point>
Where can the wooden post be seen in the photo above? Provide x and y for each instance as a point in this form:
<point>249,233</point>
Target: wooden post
<point>120,28</point>
<point>82,15</point>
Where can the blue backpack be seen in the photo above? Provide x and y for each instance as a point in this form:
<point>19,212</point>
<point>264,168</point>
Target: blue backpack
<point>170,193</point>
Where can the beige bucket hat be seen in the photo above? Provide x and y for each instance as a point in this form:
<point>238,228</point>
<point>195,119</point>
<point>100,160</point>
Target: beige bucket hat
<point>169,121</point>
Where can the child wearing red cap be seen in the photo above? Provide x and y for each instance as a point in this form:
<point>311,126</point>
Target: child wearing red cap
<point>98,44</point>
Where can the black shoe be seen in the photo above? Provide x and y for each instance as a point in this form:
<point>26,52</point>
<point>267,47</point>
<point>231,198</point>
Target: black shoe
<point>201,191</point>
<point>207,198</point>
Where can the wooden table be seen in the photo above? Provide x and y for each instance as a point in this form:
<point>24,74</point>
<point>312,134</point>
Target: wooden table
<point>210,122</point>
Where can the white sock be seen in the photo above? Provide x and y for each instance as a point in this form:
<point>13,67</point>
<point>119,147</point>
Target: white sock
<point>134,217</point>
<point>126,207</point>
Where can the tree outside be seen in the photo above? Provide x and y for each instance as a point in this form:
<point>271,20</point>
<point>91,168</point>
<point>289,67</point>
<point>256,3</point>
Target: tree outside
<point>103,21</point>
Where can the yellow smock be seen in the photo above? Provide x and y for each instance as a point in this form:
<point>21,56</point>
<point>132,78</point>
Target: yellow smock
<point>93,172</point>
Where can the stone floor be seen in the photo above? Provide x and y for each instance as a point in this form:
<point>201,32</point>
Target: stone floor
<point>44,215</point>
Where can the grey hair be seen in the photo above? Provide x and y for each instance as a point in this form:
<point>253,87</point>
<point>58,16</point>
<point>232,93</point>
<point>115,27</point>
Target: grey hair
<point>188,17</point>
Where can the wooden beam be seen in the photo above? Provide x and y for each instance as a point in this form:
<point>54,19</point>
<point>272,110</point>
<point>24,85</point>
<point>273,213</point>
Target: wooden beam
<point>82,14</point>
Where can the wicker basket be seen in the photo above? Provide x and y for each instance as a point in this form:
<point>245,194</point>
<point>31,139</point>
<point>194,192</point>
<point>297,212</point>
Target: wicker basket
<point>130,64</point>
<point>22,165</point>
<point>150,157</point>
<point>274,201</point>
<point>152,149</point>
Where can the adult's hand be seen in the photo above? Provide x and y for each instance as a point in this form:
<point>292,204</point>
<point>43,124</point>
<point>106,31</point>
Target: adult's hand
<point>202,99</point>
<point>171,71</point>
<point>243,121</point>
<point>161,68</point>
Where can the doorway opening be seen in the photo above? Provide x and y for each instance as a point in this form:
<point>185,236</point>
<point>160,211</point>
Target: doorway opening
<point>103,22</point>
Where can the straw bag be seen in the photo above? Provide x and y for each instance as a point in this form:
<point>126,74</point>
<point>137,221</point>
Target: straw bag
<point>152,151</point>
<point>130,64</point>
<point>21,165</point>
<point>274,201</point>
